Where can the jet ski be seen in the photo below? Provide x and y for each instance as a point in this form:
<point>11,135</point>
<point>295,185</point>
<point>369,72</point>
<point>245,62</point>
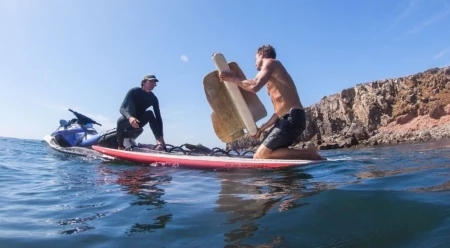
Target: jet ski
<point>78,135</point>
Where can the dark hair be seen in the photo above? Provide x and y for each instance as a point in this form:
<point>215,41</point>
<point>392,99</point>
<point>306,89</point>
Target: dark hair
<point>142,82</point>
<point>267,51</point>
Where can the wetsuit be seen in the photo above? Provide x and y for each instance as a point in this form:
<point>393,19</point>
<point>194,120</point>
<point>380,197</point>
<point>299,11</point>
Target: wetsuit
<point>135,105</point>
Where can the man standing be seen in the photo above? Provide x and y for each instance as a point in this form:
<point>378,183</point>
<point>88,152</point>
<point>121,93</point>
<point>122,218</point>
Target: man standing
<point>289,117</point>
<point>135,114</point>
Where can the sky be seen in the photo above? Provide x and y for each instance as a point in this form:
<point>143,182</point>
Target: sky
<point>85,55</point>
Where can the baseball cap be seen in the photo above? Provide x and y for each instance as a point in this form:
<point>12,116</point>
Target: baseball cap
<point>150,77</point>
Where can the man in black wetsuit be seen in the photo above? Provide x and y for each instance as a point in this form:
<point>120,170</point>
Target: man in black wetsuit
<point>135,114</point>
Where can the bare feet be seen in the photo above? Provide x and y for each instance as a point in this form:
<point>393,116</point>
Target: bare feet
<point>314,153</point>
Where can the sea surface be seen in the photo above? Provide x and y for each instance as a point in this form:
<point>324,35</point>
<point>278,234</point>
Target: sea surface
<point>391,196</point>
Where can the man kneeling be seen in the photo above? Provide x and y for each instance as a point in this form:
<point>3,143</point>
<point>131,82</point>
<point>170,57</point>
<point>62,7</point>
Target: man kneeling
<point>289,118</point>
<point>135,114</point>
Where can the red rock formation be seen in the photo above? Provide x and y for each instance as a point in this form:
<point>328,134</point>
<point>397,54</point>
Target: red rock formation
<point>407,109</point>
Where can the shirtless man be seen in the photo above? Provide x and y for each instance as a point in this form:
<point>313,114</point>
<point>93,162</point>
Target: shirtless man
<point>289,117</point>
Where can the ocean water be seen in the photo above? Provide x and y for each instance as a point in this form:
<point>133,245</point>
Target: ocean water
<point>396,196</point>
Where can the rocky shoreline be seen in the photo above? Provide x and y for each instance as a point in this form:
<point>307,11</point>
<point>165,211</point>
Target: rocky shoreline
<point>413,108</point>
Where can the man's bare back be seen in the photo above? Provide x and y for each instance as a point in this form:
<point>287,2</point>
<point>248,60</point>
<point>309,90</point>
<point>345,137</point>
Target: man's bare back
<point>282,90</point>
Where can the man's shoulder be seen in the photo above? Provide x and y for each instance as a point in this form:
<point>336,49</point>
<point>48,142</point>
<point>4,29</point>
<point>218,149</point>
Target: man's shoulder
<point>272,62</point>
<point>275,61</point>
<point>135,89</point>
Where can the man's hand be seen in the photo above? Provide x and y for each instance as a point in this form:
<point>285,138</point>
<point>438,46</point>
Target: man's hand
<point>257,134</point>
<point>228,76</point>
<point>134,122</point>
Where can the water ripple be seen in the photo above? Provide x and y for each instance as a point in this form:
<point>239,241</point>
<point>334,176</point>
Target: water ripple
<point>396,196</point>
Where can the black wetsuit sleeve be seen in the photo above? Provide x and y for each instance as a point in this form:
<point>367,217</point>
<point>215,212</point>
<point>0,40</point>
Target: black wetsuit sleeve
<point>127,109</point>
<point>158,118</point>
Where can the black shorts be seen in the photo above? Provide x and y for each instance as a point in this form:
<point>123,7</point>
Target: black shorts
<point>287,130</point>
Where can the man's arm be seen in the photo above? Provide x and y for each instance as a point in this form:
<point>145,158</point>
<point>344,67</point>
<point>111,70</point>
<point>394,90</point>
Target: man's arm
<point>264,126</point>
<point>256,84</point>
<point>270,122</point>
<point>128,103</point>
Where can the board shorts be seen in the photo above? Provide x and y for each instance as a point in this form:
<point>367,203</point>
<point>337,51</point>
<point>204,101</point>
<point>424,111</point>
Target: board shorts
<point>286,130</point>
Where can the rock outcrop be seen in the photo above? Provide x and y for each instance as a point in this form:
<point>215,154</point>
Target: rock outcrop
<point>407,109</point>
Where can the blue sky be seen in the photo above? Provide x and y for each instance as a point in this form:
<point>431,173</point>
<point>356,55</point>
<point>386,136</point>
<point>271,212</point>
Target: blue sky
<point>86,55</point>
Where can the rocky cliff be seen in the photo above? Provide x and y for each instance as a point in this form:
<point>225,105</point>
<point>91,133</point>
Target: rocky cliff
<point>407,109</point>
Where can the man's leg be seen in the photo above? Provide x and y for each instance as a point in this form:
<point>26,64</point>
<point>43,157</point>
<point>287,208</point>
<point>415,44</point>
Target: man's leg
<point>275,145</point>
<point>149,117</point>
<point>272,141</point>
<point>286,153</point>
<point>122,125</point>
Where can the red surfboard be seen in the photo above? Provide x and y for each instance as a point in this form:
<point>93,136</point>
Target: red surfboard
<point>198,161</point>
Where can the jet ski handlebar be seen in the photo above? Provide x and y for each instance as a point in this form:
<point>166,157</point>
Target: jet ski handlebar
<point>84,119</point>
